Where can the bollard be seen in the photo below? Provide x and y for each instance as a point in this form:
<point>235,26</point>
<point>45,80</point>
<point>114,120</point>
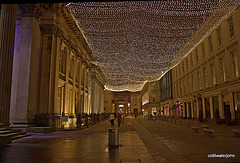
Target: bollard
<point>113,137</point>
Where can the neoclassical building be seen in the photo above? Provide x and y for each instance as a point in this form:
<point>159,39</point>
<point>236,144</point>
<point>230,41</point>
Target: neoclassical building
<point>47,77</point>
<point>125,102</point>
<point>206,82</point>
<point>150,98</point>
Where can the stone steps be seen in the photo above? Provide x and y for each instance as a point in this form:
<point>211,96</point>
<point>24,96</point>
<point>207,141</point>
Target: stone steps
<point>7,135</point>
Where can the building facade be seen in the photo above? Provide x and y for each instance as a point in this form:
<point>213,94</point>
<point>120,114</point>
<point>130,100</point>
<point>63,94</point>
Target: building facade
<point>206,82</point>
<point>150,95</point>
<point>166,101</point>
<point>53,79</point>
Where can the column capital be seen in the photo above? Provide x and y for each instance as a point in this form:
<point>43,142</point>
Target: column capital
<point>51,29</point>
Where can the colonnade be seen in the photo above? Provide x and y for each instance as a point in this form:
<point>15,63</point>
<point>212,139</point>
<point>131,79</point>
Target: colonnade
<point>51,67</point>
<point>7,34</point>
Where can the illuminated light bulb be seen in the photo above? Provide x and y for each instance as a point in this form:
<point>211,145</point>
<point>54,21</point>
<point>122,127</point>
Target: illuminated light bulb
<point>139,41</point>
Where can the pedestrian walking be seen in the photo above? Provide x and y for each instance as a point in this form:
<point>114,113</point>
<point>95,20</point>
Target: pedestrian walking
<point>122,117</point>
<point>111,119</point>
<point>119,119</point>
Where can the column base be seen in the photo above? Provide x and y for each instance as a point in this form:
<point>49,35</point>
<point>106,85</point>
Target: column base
<point>3,125</point>
<point>19,125</point>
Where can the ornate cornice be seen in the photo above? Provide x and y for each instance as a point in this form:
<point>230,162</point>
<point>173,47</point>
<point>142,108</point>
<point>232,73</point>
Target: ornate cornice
<point>46,6</point>
<point>48,28</point>
<point>31,10</point>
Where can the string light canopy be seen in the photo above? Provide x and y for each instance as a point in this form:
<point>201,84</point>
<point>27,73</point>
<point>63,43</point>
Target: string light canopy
<point>138,41</point>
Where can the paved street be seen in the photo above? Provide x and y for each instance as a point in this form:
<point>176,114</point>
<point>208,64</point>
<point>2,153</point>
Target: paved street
<point>187,145</point>
<point>141,140</point>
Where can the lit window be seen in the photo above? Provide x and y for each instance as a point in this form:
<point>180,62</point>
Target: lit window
<point>77,73</point>
<point>231,27</point>
<point>210,43</point>
<point>186,63</point>
<point>60,61</point>
<point>198,80</point>
<point>193,83</point>
<point>191,59</point>
<point>179,70</point>
<point>205,76</point>
<point>196,52</point>
<point>213,74</point>
<point>203,49</point>
<point>180,85</point>
<point>183,66</point>
<point>70,67</point>
<point>219,36</point>
<point>184,87</point>
<point>235,63</point>
<point>222,69</point>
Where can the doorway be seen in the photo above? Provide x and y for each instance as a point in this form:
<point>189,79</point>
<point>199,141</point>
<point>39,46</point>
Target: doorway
<point>185,110</point>
<point>207,108</point>
<point>189,110</point>
<point>121,109</point>
<point>227,112</point>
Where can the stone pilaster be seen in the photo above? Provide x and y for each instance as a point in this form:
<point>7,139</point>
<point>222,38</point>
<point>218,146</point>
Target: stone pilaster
<point>51,37</point>
<point>88,89</point>
<point>66,83</point>
<point>80,87</point>
<point>7,34</point>
<point>84,88</point>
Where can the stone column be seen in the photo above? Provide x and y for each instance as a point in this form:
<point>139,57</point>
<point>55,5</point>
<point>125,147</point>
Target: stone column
<point>56,75</point>
<point>79,85</point>
<point>98,102</point>
<point>211,107</point>
<point>187,110</point>
<point>66,82</point>
<point>204,108</point>
<point>198,107</point>
<point>88,91</point>
<point>84,89</point>
<point>102,98</point>
<point>93,97</point>
<point>192,105</point>
<point>232,110</point>
<point>183,110</point>
<point>96,98</point>
<point>221,107</point>
<point>74,87</point>
<point>7,34</point>
<point>49,72</point>
<point>126,108</point>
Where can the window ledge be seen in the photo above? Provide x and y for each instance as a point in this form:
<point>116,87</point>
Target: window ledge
<point>232,38</point>
<point>220,47</point>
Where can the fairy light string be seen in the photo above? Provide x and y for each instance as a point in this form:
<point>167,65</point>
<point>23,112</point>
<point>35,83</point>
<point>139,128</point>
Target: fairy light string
<point>138,41</point>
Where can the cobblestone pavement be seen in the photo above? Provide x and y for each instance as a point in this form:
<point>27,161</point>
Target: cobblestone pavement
<point>187,145</point>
